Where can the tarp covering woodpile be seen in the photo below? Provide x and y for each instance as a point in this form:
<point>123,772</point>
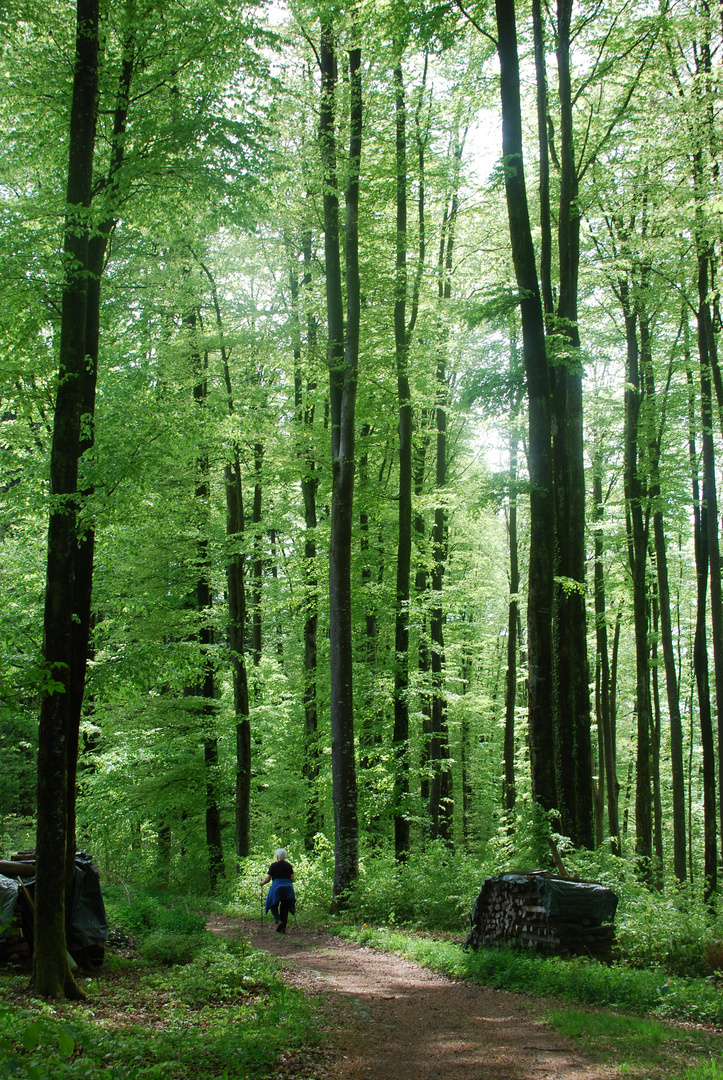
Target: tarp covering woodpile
<point>544,911</point>
<point>88,927</point>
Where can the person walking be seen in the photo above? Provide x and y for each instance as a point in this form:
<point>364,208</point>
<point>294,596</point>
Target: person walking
<point>280,899</point>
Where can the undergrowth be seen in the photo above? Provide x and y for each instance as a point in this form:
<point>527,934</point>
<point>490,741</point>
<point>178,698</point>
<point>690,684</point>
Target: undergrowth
<point>646,1048</point>
<point>587,981</point>
<point>174,1003</point>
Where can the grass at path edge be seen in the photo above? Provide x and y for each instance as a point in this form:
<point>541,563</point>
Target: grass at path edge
<point>644,992</point>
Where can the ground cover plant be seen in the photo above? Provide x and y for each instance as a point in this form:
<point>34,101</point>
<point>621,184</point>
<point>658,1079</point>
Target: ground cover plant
<point>645,991</point>
<point>170,1001</point>
<point>644,1048</point>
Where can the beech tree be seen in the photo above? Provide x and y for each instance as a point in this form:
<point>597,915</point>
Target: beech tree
<point>55,845</point>
<point>343,357</point>
<point>540,588</point>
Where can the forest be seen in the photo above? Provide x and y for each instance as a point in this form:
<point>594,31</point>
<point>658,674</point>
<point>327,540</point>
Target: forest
<point>360,437</point>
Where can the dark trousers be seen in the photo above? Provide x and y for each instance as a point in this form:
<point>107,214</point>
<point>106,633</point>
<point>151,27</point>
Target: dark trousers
<point>280,911</point>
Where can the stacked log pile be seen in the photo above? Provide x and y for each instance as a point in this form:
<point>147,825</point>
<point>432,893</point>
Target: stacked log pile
<point>546,912</point>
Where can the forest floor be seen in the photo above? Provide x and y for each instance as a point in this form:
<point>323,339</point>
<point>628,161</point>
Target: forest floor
<point>385,1017</point>
<point>368,1015</point>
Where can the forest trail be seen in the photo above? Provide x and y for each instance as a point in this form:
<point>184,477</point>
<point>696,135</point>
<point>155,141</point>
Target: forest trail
<point>387,1018</point>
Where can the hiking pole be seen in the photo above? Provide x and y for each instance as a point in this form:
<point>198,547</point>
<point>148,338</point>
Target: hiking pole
<point>262,907</point>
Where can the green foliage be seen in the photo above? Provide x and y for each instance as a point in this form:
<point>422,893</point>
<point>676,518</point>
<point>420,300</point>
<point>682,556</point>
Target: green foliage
<point>662,1050</point>
<point>710,1071</point>
<point>146,912</point>
<point>165,933</point>
<point>671,931</point>
<point>33,1036</point>
<point>594,1025</point>
<point>434,889</point>
<point>224,1013</point>
<point>223,971</point>
<point>138,916</point>
<point>575,979</point>
<point>168,947</point>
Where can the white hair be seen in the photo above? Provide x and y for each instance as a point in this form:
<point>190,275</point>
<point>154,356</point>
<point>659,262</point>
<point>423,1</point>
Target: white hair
<point>280,854</point>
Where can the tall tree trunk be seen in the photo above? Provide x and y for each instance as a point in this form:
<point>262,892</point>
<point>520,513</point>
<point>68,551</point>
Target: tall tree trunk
<point>441,798</point>
<point>421,580</point>
<point>236,588</point>
<point>513,618</point>
<point>421,584</point>
<point>52,975</point>
<point>615,794</point>
<point>404,542</point>
<point>464,746</point>
<point>343,356</point>
<point>706,351</point>
<point>441,802</point>
<point>370,734</point>
<point>540,590</point>
<point>83,571</point>
<point>671,685</point>
<point>538,32</point>
<point>658,869</point>
<point>257,565</point>
<point>236,585</point>
<point>572,697</point>
<point>206,686</point>
<point>309,488</point>
<point>637,557</point>
<point>609,770</point>
<point>708,306</point>
<point>666,639</point>
<point>700,661</point>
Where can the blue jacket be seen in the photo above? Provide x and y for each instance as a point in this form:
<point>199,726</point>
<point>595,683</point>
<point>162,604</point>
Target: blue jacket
<point>280,889</point>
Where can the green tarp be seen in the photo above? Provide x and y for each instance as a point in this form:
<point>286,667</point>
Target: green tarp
<point>578,900</point>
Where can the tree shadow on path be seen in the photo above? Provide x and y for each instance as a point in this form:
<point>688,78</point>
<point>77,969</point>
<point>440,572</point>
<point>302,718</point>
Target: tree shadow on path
<point>391,1019</point>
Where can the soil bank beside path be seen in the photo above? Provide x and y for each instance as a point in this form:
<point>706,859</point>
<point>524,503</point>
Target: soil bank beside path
<point>387,1018</point>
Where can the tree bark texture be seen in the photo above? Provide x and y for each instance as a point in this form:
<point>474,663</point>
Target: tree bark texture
<point>97,248</point>
<point>667,643</point>
<point>236,588</point>
<point>441,796</point>
<point>236,585</point>
<point>421,584</point>
<point>309,487</point>
<point>538,32</point>
<point>637,557</point>
<point>658,865</point>
<point>512,621</point>
<point>205,688</point>
<point>605,719</point>
<point>52,974</point>
<point>700,661</point>
<point>572,727</point>
<point>257,567</point>
<point>706,352</point>
<point>373,713</point>
<point>343,362</point>
<point>404,541</point>
<point>542,522</point>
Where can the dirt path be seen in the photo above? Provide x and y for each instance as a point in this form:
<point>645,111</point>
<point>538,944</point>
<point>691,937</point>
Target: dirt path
<point>390,1019</point>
